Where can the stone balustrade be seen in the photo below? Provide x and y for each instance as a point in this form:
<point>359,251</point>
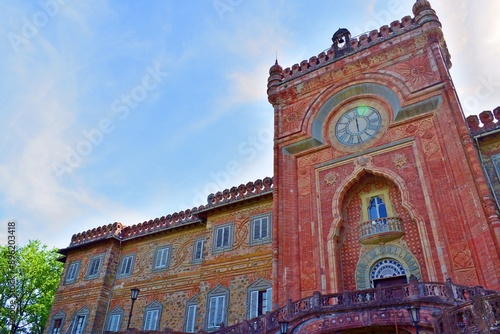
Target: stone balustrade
<point>446,301</point>
<point>381,229</point>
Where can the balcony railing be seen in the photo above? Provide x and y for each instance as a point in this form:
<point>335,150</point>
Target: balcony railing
<point>456,309</point>
<point>380,230</point>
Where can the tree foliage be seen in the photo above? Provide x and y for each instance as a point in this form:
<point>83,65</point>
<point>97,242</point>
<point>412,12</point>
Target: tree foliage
<point>29,276</point>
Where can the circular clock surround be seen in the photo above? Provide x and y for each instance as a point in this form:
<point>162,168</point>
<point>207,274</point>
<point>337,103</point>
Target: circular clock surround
<point>357,124</point>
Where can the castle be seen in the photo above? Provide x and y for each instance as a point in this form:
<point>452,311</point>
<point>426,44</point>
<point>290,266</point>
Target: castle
<point>382,215</point>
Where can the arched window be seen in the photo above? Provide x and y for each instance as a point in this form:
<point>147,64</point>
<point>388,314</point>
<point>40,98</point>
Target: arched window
<point>389,271</point>
<point>377,208</point>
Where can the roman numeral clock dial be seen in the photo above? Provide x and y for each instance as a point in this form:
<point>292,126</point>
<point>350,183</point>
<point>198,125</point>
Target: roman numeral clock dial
<point>358,125</point>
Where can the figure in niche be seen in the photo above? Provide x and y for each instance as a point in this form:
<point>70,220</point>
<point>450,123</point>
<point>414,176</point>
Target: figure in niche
<point>377,212</point>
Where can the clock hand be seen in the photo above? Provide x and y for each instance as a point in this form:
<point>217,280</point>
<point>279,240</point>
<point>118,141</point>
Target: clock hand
<point>357,125</point>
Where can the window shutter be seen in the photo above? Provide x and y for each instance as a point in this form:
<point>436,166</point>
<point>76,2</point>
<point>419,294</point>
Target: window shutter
<point>191,318</point>
<point>254,304</point>
<point>256,229</point>
<point>147,323</point>
<point>220,309</point>
<point>264,228</point>
<point>114,323</point>
<point>269,306</point>
<point>212,312</point>
<point>154,324</point>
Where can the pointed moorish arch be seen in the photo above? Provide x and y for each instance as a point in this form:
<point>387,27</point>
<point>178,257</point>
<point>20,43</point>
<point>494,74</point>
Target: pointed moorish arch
<point>364,166</point>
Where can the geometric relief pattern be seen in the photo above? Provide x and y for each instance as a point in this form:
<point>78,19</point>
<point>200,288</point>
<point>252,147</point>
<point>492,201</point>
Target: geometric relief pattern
<point>367,262</point>
<point>423,129</point>
<point>417,72</point>
<point>291,118</point>
<point>461,256</point>
<point>305,165</point>
<point>466,277</point>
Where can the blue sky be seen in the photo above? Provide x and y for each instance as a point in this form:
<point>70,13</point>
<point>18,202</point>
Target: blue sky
<point>131,110</point>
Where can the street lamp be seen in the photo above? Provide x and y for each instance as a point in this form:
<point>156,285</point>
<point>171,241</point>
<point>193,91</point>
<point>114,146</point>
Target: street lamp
<point>414,312</point>
<point>133,295</point>
<point>283,326</point>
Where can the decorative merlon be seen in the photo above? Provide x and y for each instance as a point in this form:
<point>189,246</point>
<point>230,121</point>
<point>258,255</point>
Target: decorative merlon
<point>177,219</point>
<point>486,122</point>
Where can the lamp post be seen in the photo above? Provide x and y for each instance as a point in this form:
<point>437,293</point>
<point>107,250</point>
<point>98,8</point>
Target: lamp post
<point>133,295</point>
<point>283,326</point>
<point>414,312</point>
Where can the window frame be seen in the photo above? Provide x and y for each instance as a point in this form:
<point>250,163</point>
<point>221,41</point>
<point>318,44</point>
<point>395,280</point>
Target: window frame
<point>97,274</point>
<point>219,249</point>
<point>218,292</point>
<point>191,327</point>
<point>255,290</point>
<point>154,306</point>
<point>167,260</point>
<point>83,313</point>
<point>261,240</point>
<point>126,274</point>
<point>76,264</point>
<point>58,316</point>
<point>117,311</point>
<point>199,259</point>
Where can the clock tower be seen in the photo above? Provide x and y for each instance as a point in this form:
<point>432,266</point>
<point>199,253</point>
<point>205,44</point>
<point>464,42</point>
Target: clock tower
<point>376,177</point>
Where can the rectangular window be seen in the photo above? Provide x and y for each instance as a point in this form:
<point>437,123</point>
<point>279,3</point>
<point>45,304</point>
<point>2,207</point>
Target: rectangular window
<point>72,272</point>
<point>260,302</point>
<point>223,238</point>
<point>94,267</point>
<point>126,266</point>
<point>57,326</point>
<point>162,258</point>
<point>198,250</point>
<point>114,322</point>
<point>151,322</point>
<point>191,318</point>
<point>260,230</point>
<point>216,311</point>
<point>79,324</point>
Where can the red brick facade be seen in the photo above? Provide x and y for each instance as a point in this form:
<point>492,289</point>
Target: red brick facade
<point>377,182</point>
<point>421,154</point>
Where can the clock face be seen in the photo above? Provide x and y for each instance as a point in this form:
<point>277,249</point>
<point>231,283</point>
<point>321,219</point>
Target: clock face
<point>358,125</point>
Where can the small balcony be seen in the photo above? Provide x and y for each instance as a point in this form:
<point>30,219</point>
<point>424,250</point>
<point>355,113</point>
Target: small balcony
<point>380,230</point>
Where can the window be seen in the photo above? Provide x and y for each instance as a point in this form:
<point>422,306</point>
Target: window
<point>57,323</point>
<point>162,258</point>
<point>72,272</point>
<point>152,315</point>
<point>115,319</point>
<point>260,229</point>
<point>198,250</point>
<point>94,267</point>
<point>191,308</point>
<point>126,266</point>
<point>496,163</point>
<point>377,208</point>
<point>80,321</point>
<point>259,298</point>
<point>386,269</point>
<point>217,301</point>
<point>223,238</point>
